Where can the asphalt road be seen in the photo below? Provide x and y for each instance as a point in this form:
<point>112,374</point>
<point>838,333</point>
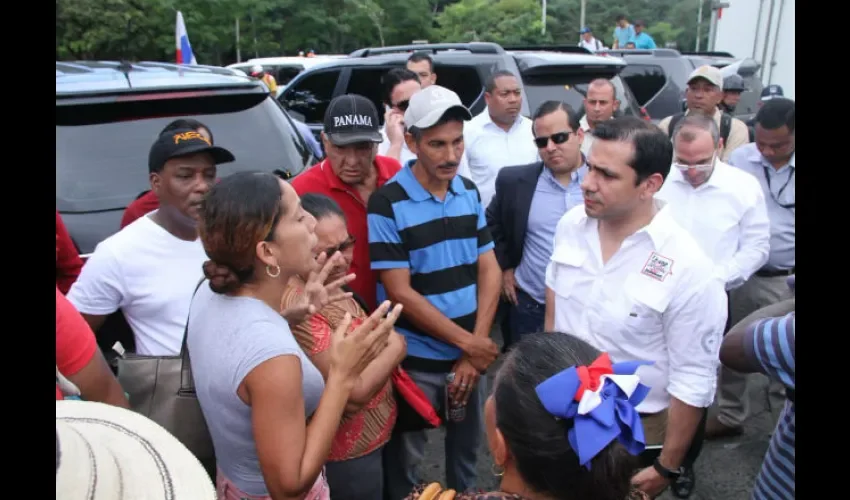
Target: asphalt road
<point>725,470</point>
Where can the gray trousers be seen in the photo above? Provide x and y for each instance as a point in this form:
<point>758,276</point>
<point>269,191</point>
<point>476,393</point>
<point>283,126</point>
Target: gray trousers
<point>360,478</point>
<point>757,292</point>
<point>405,451</point>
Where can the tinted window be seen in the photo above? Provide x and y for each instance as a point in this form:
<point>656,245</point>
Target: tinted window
<point>311,96</point>
<point>285,74</point>
<point>645,81</point>
<point>367,82</point>
<point>571,89</point>
<point>102,149</point>
<point>464,80</point>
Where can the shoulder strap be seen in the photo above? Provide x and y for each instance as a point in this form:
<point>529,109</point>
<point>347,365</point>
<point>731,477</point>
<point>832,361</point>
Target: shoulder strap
<point>186,382</point>
<point>725,127</point>
<point>673,121</point>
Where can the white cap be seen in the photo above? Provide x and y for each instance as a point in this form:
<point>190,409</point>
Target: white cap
<point>104,452</point>
<point>713,75</point>
<point>256,69</point>
<point>430,104</point>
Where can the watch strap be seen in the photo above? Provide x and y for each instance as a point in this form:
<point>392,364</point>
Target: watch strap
<point>665,472</point>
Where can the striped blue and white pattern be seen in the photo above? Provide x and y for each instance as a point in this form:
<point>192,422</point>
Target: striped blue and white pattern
<point>439,241</point>
<point>771,343</point>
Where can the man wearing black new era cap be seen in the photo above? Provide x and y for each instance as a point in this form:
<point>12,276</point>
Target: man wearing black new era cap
<point>351,171</point>
<point>150,268</point>
<point>432,250</point>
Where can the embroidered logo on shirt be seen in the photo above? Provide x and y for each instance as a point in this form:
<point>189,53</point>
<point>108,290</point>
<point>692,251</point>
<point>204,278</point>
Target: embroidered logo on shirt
<point>709,343</point>
<point>658,266</point>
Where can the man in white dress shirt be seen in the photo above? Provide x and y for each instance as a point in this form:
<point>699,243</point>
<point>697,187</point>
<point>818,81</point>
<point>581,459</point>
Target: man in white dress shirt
<point>627,278</point>
<point>721,206</point>
<point>600,104</point>
<point>499,136</point>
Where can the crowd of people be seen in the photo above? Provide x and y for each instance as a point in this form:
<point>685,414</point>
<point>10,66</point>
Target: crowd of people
<point>331,321</point>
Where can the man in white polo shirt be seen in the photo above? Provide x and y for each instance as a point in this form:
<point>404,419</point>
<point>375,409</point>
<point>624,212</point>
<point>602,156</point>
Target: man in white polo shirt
<point>627,278</point>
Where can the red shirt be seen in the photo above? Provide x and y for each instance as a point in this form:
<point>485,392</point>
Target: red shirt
<point>320,178</point>
<point>75,343</point>
<point>68,261</point>
<point>140,207</point>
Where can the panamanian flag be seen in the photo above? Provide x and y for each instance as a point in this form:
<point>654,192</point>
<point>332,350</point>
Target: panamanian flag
<point>184,48</point>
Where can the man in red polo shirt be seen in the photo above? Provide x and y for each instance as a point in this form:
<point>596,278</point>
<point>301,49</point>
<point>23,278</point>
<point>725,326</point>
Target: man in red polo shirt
<point>350,173</point>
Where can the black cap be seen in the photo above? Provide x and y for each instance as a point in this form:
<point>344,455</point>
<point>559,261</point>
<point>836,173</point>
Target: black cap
<point>352,118</point>
<point>182,142</point>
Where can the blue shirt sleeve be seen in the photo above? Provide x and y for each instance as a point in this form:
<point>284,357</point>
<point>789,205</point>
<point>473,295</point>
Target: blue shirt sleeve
<point>770,342</point>
<point>386,250</point>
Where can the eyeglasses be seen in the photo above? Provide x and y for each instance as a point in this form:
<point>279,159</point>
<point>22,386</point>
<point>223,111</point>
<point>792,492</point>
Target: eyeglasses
<point>559,138</point>
<point>704,167</point>
<point>345,245</point>
<point>403,105</point>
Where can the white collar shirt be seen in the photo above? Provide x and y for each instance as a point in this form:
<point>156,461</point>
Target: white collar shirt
<point>656,299</point>
<point>727,216</point>
<point>489,148</point>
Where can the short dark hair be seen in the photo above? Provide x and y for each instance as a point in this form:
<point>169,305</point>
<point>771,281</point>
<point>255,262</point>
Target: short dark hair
<point>182,123</point>
<point>421,56</point>
<point>452,115</point>
<point>392,78</point>
<point>653,149</point>
<point>620,17</point>
<point>549,107</point>
<point>537,440</point>
<point>321,206</point>
<point>776,113</point>
<point>490,84</point>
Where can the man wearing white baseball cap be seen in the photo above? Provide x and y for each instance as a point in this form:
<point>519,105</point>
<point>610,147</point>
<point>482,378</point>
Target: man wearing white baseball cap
<point>704,93</point>
<point>432,252</point>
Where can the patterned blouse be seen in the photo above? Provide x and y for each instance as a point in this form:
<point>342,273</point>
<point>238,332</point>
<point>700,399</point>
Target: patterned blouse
<point>369,428</point>
<point>498,495</point>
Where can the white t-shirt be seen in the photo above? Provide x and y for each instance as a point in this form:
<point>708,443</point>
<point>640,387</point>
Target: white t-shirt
<point>150,275</point>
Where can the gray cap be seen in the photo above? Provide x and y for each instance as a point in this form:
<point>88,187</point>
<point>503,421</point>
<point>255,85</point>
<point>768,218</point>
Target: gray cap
<point>430,104</point>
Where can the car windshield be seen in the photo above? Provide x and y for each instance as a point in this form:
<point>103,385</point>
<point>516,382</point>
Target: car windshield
<point>571,89</point>
<point>102,148</point>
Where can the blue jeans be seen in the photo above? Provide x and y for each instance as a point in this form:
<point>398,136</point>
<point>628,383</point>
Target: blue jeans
<point>527,316</point>
<point>405,451</point>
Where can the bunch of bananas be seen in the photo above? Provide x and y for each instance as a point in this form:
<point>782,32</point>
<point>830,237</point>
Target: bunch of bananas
<point>435,492</point>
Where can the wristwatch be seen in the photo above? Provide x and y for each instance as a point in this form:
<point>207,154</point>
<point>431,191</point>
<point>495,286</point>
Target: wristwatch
<point>671,474</point>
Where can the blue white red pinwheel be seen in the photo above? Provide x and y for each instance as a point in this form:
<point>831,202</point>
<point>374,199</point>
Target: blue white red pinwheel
<point>601,400</point>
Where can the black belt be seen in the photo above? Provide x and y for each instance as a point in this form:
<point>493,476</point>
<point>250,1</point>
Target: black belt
<point>773,273</point>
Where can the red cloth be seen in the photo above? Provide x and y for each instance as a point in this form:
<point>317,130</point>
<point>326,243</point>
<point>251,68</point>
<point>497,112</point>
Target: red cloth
<point>320,178</point>
<point>68,261</point>
<point>75,342</point>
<point>140,207</point>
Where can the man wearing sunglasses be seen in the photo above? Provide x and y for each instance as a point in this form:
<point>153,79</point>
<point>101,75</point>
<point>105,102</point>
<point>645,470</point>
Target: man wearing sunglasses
<point>529,202</point>
<point>770,160</point>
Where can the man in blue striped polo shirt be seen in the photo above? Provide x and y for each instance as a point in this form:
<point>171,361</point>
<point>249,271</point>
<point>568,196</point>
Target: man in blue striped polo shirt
<point>432,251</point>
<point>764,342</point>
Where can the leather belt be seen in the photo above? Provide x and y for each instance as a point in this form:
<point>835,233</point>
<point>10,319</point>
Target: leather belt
<point>773,273</point>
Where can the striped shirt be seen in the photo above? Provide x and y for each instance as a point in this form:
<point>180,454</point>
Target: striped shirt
<point>770,342</point>
<point>439,241</point>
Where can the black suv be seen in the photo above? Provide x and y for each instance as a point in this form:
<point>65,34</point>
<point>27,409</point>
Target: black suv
<point>659,77</point>
<point>109,113</point>
<point>461,67</point>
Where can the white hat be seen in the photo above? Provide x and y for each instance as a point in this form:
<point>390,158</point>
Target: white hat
<point>709,73</point>
<point>104,452</point>
<point>428,105</point>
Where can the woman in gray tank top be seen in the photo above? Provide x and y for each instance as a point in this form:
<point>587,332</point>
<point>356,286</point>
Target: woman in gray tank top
<point>256,387</point>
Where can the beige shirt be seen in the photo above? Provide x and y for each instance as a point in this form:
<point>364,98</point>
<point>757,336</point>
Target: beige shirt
<point>738,134</point>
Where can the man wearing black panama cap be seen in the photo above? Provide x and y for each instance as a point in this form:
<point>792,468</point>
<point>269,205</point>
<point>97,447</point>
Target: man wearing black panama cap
<point>149,269</point>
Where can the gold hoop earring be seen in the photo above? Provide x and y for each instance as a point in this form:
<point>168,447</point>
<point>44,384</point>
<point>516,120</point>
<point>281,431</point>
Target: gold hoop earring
<point>275,274</point>
<point>497,470</point>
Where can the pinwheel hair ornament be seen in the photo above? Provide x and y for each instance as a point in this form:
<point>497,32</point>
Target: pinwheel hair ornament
<point>601,400</point>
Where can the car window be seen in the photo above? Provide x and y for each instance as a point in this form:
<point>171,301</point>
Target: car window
<point>571,89</point>
<point>311,96</point>
<point>102,149</point>
<point>367,82</point>
<point>464,80</point>
<point>645,81</point>
<point>285,74</point>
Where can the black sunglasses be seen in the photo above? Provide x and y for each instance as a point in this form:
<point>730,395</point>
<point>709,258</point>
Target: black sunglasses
<point>559,138</point>
<point>345,245</point>
<point>403,105</point>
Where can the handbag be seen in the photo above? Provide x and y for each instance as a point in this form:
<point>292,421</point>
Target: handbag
<point>162,389</point>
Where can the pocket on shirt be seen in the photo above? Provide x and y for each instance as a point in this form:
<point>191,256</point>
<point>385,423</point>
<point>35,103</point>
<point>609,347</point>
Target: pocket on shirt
<point>566,264</point>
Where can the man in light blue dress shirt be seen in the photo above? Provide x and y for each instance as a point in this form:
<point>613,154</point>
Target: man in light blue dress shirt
<point>771,159</point>
<point>525,210</point>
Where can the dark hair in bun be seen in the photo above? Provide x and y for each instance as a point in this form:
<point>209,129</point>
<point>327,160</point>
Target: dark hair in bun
<point>238,212</point>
